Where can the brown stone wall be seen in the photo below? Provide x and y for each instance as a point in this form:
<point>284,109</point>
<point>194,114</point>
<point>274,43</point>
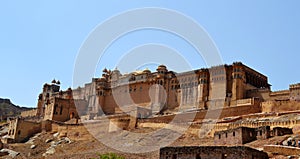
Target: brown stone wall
<point>231,137</point>
<point>263,132</point>
<point>218,84</point>
<point>263,94</point>
<point>1,145</point>
<point>26,129</point>
<point>295,92</point>
<point>238,87</point>
<point>188,91</point>
<point>60,109</point>
<point>140,93</point>
<point>12,128</point>
<point>280,95</point>
<point>48,114</point>
<point>29,113</point>
<point>172,97</point>
<point>282,150</point>
<point>236,136</point>
<point>209,152</point>
<point>280,106</point>
<point>73,131</point>
<point>19,130</point>
<point>118,124</point>
<point>248,134</point>
<point>213,114</point>
<point>279,131</point>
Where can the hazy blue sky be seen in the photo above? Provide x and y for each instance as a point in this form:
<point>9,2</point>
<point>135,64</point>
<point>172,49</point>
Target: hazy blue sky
<point>39,40</point>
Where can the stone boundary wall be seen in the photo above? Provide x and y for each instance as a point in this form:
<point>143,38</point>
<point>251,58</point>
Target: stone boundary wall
<point>208,152</point>
<point>272,124</point>
<point>282,150</point>
<point>29,113</point>
<point>72,131</point>
<point>280,106</point>
<point>212,114</point>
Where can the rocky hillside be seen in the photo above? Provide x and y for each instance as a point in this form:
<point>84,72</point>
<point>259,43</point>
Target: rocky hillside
<point>8,109</point>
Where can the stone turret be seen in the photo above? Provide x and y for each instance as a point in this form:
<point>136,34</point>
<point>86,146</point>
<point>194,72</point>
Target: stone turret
<point>44,97</point>
<point>161,69</point>
<point>203,88</point>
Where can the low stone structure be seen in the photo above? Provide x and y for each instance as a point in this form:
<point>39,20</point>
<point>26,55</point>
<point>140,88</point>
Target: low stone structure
<point>282,150</point>
<point>19,130</point>
<point>263,132</point>
<point>209,152</point>
<point>278,131</point>
<point>241,135</point>
<point>286,123</point>
<point>118,124</point>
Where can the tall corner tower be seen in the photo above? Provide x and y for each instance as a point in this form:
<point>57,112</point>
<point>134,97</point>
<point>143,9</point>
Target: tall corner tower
<point>238,82</point>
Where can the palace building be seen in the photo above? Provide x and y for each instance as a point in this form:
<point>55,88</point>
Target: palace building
<point>114,93</point>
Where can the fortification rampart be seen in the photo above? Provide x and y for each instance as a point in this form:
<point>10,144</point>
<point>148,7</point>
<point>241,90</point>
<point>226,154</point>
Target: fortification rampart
<point>280,106</point>
<point>29,113</point>
<point>204,114</point>
<point>272,124</point>
<point>282,150</point>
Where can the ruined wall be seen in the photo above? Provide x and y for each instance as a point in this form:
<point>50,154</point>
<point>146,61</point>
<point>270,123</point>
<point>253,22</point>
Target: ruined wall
<point>73,131</point>
<point>20,130</point>
<point>26,129</point>
<point>209,152</point>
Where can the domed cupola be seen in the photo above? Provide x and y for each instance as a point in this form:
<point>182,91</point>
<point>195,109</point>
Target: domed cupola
<point>162,69</point>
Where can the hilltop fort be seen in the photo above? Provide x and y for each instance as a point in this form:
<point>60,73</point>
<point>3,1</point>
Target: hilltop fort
<point>236,92</point>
